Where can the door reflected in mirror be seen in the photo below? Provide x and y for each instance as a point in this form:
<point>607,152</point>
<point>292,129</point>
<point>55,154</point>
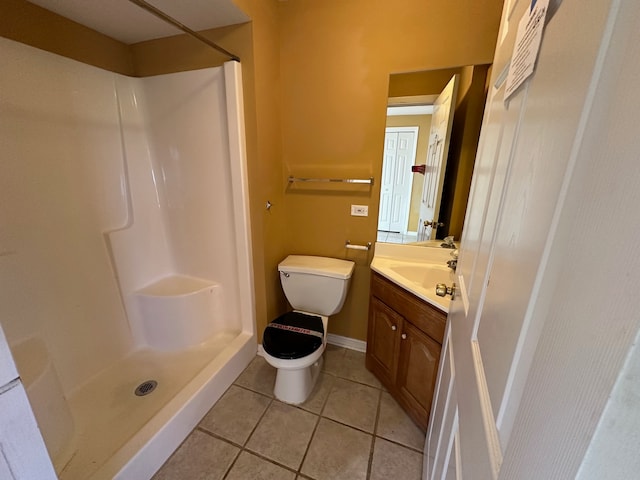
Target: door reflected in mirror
<point>431,138</point>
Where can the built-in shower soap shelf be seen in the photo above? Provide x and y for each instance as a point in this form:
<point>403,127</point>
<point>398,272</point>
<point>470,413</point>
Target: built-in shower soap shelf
<point>176,285</point>
<point>179,311</point>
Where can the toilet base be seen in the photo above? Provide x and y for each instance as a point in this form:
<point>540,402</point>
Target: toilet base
<point>294,386</point>
<point>295,378</point>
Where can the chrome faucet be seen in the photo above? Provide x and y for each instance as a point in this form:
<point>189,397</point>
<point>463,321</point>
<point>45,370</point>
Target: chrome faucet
<point>448,242</point>
<point>453,263</point>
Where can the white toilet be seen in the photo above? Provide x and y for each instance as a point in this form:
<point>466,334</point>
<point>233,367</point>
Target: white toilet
<point>316,288</point>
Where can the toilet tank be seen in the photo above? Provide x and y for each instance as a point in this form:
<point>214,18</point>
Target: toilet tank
<point>315,284</point>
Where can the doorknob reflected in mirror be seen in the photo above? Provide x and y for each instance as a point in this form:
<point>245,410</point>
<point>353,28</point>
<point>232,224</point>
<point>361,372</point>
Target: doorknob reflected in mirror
<point>442,290</point>
<point>433,224</point>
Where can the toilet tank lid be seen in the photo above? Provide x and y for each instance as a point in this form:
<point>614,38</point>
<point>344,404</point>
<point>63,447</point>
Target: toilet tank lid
<point>324,266</point>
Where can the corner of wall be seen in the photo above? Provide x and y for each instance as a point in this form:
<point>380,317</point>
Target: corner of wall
<point>33,25</point>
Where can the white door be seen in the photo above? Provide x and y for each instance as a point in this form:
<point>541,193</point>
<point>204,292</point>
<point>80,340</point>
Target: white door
<point>524,156</point>
<point>439,138</point>
<point>395,189</point>
<point>23,454</point>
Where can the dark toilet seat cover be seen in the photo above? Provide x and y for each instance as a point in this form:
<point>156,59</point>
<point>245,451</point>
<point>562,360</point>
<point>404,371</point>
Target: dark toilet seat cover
<point>293,335</point>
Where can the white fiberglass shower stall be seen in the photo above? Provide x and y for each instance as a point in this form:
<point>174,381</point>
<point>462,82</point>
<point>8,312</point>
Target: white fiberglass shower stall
<point>124,254</point>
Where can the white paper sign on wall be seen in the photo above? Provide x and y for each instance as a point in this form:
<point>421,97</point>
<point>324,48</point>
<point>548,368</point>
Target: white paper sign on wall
<point>527,45</point>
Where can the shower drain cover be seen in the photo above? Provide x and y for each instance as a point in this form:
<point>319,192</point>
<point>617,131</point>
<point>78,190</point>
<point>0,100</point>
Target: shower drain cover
<point>145,388</point>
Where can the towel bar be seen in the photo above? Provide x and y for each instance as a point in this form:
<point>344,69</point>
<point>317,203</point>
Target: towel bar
<point>365,181</point>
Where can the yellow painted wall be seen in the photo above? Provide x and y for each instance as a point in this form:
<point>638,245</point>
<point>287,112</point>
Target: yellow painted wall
<point>423,122</point>
<point>30,24</point>
<point>181,52</point>
<point>336,58</point>
<point>269,227</point>
<point>425,82</point>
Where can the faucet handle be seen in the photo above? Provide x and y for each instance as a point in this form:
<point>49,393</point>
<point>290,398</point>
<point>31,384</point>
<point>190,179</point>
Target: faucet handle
<point>453,263</point>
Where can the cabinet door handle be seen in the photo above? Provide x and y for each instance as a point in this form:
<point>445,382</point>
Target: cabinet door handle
<point>394,328</point>
<point>404,336</point>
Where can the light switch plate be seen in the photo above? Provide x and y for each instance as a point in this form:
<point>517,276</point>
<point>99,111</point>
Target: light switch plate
<point>359,210</point>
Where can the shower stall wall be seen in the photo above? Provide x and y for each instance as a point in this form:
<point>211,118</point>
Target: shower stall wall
<point>125,254</point>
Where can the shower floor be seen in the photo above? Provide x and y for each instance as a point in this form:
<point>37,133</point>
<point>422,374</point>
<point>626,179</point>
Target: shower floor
<point>107,413</point>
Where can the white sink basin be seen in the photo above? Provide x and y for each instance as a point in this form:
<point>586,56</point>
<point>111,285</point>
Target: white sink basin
<point>416,269</point>
<point>424,275</point>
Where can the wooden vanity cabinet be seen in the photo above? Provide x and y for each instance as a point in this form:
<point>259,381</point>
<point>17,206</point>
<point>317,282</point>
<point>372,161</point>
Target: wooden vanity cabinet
<point>404,340</point>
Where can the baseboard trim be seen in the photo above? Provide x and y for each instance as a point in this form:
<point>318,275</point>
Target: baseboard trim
<point>346,342</point>
<point>338,341</point>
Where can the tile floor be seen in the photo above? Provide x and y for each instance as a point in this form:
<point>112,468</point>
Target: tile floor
<point>350,428</point>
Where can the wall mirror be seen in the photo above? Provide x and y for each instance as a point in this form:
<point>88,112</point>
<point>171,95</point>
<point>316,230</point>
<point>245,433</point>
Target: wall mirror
<point>417,203</point>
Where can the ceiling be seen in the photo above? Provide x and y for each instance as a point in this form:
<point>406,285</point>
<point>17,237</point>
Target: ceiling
<point>128,23</point>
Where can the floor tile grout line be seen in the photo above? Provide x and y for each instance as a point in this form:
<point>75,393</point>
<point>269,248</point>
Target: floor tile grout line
<point>315,428</point>
<point>359,383</point>
<point>226,474</point>
<point>219,437</point>
<point>253,391</point>
<point>255,427</point>
<point>270,460</point>
<point>337,375</point>
<point>273,461</point>
<point>213,434</point>
<point>332,377</point>
<point>395,442</point>
<point>361,429</point>
<point>245,449</point>
<point>300,407</point>
<point>303,476</point>
<point>320,414</point>
<point>306,450</point>
<point>350,426</point>
<point>370,464</point>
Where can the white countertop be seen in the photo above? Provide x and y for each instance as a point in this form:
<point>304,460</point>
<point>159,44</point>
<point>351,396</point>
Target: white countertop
<point>417,269</point>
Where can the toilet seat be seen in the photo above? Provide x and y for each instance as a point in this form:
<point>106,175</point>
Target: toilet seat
<point>293,335</point>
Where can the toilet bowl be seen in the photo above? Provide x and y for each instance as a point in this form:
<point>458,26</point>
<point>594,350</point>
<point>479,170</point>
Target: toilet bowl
<point>316,287</point>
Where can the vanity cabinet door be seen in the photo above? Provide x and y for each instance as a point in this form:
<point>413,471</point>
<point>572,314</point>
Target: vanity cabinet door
<point>383,335</point>
<point>403,346</point>
<point>417,370</point>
